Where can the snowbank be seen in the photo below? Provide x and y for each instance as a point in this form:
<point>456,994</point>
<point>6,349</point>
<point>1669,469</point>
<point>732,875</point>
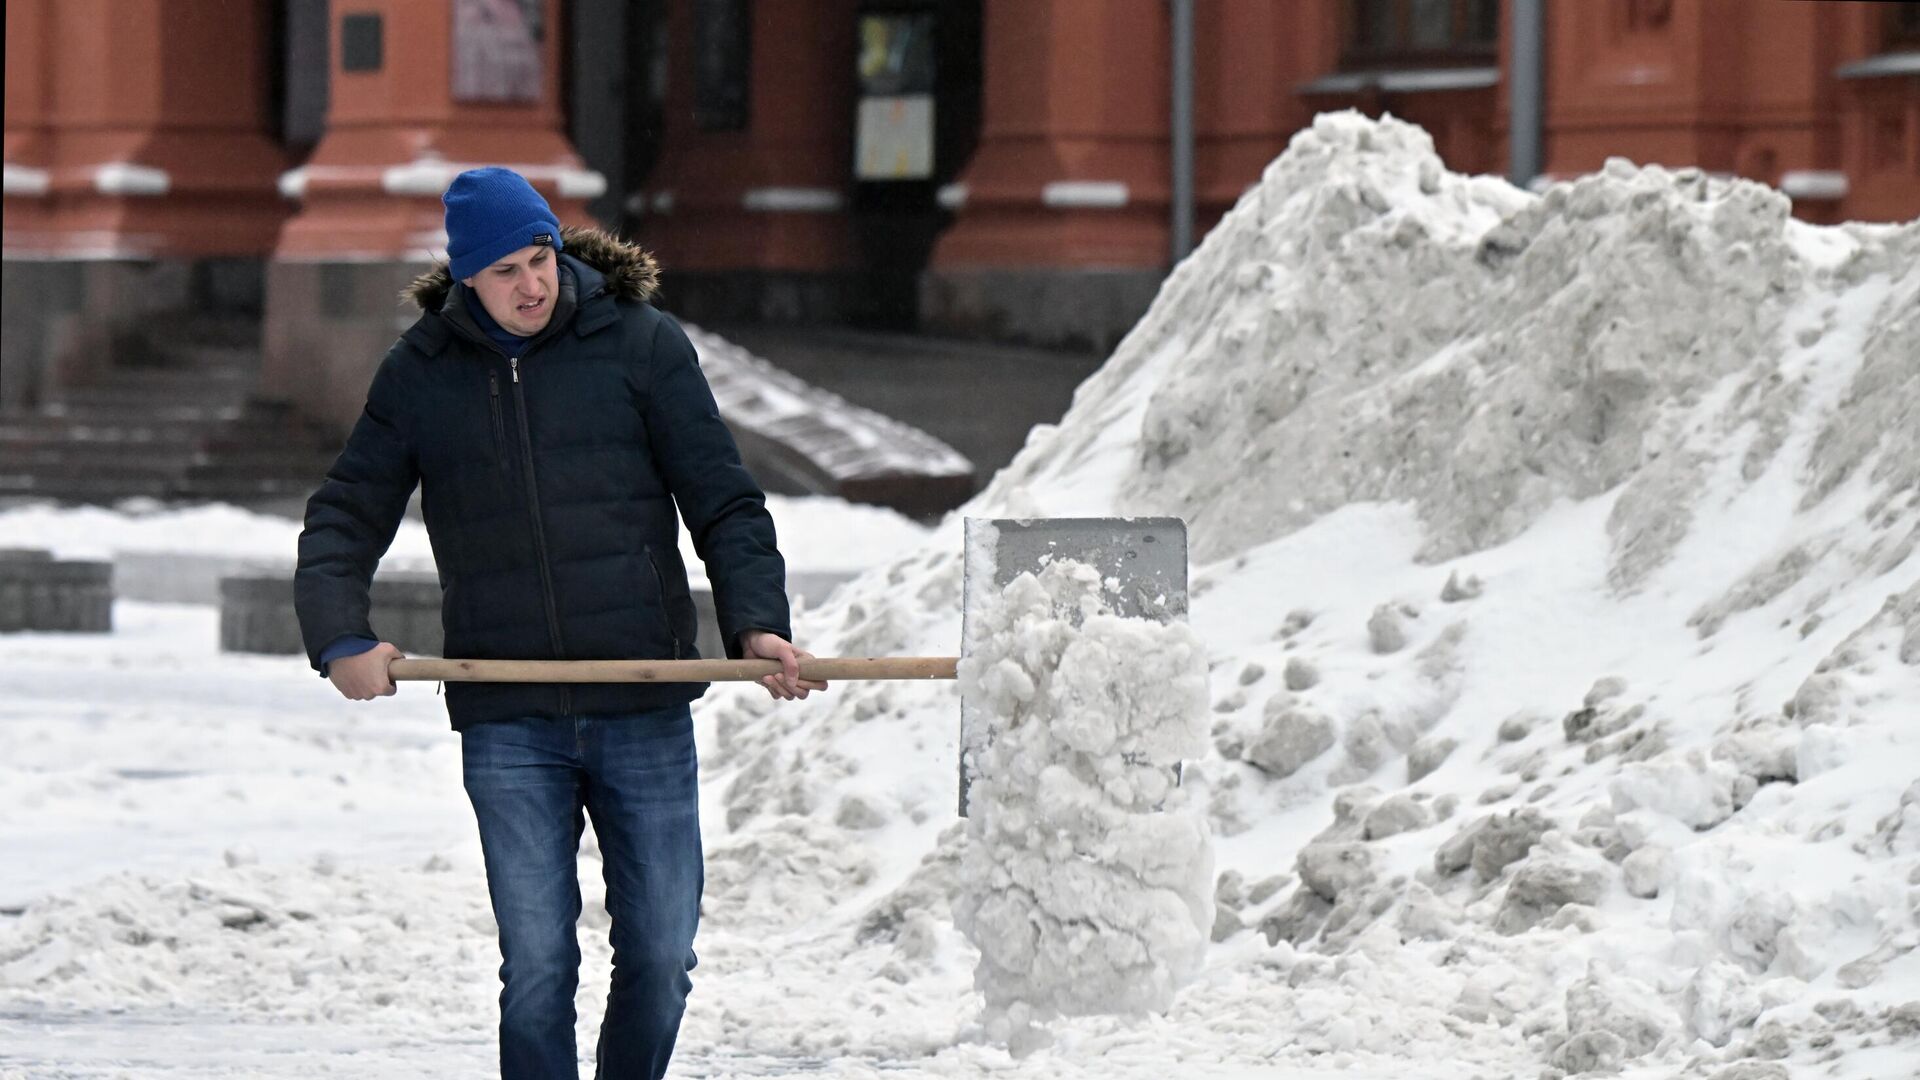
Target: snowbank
<point>817,533</point>
<point>1542,547</point>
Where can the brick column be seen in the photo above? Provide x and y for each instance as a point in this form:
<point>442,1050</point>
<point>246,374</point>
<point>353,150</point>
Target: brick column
<point>1876,151</point>
<point>369,213</point>
<point>139,129</point>
<point>23,347</point>
<point>397,134</point>
<point>753,223</point>
<point>1251,58</point>
<point>29,32</point>
<point>1062,234</point>
<point>1665,82</point>
<point>136,152</point>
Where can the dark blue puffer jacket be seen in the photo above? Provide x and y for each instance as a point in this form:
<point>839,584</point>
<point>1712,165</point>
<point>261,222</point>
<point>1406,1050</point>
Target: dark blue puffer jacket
<point>549,489</point>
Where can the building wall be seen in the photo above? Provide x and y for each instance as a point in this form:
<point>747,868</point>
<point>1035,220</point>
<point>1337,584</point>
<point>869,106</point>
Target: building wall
<point>124,141</point>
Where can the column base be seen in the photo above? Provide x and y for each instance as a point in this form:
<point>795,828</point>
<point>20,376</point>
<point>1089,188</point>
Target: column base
<point>780,297</point>
<point>1087,310</point>
<point>327,326</point>
<point>69,319</point>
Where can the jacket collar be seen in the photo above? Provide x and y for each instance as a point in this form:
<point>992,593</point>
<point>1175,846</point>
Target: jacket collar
<point>605,271</point>
<point>582,301</point>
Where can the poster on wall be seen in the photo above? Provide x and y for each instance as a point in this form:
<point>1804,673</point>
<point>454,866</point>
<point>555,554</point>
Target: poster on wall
<point>893,130</point>
<point>496,50</point>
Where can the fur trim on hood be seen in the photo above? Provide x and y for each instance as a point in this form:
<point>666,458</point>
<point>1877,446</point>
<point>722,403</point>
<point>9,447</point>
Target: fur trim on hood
<point>632,273</point>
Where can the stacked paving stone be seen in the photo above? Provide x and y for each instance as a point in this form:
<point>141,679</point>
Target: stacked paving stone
<point>41,593</point>
<point>257,616</point>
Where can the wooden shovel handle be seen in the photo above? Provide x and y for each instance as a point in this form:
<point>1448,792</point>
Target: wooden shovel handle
<point>623,671</point>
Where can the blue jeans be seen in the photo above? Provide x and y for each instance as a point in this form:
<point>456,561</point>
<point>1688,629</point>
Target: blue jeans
<point>529,781</point>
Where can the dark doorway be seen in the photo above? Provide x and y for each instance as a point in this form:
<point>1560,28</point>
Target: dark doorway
<point>912,57</point>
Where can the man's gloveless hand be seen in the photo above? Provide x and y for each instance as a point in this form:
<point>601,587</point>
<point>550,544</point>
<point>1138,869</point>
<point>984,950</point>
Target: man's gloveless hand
<point>364,677</point>
<point>761,645</point>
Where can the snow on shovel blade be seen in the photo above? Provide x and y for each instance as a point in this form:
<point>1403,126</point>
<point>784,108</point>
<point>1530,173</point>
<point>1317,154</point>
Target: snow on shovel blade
<point>1142,563</point>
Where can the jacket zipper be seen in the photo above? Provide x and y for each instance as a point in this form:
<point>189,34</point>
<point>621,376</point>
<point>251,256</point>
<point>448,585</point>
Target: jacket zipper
<point>499,424</point>
<point>660,582</point>
<point>539,533</point>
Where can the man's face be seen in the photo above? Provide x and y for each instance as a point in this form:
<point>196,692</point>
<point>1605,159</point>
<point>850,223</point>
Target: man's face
<point>519,290</point>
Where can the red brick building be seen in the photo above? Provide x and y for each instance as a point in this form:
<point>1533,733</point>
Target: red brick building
<point>1002,167</point>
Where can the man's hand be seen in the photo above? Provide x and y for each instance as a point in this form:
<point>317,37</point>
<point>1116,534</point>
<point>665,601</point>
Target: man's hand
<point>761,645</point>
<point>363,677</point>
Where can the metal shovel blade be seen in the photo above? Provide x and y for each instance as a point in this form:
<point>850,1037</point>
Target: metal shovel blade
<point>1141,561</point>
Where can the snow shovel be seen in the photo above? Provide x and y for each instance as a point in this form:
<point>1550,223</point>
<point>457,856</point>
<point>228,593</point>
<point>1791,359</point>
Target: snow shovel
<point>1141,561</point>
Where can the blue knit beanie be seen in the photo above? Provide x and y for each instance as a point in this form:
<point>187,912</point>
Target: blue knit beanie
<point>492,213</point>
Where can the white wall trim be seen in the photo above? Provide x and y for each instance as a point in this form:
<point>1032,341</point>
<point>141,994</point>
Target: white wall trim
<point>793,200</point>
<point>429,177</point>
<point>1404,81</point>
<point>293,183</point>
<point>424,177</point>
<point>1886,65</point>
<point>23,181</point>
<point>1814,185</point>
<point>579,183</point>
<point>1086,194</point>
<point>126,178</point>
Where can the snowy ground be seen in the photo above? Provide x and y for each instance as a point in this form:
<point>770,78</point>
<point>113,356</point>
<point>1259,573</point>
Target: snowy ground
<point>1555,557</point>
<point>232,873</point>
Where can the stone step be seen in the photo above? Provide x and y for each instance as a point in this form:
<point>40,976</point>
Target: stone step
<point>243,491</point>
<point>193,329</point>
<point>177,456</point>
<point>143,397</point>
<point>210,358</point>
<point>123,412</point>
<point>170,378</point>
<point>109,488</point>
<point>131,438</point>
<point>240,437</point>
<point>97,488</point>
<point>278,474</point>
<point>51,460</point>
<point>251,428</point>
<point>242,414</point>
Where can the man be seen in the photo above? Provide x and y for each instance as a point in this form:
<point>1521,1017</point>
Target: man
<point>553,418</point>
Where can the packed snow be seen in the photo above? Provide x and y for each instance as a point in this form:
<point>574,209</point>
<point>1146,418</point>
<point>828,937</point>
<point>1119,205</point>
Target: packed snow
<point>1554,557</point>
<point>1087,881</point>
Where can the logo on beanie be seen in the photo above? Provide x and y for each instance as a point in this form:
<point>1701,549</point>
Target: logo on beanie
<point>543,238</point>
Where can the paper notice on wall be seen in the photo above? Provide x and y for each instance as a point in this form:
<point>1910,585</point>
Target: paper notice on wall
<point>496,50</point>
<point>894,140</point>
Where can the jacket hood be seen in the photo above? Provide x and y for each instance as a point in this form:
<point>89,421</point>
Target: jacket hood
<point>631,272</point>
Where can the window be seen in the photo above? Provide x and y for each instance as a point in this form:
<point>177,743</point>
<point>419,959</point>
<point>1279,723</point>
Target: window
<point>1902,27</point>
<point>1421,32</point>
<point>360,42</point>
<point>722,63</point>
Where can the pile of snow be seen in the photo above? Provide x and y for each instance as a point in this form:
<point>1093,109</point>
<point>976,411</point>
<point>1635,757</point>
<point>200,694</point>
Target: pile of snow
<point>1544,550</point>
<point>1087,883</point>
<point>1555,557</point>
